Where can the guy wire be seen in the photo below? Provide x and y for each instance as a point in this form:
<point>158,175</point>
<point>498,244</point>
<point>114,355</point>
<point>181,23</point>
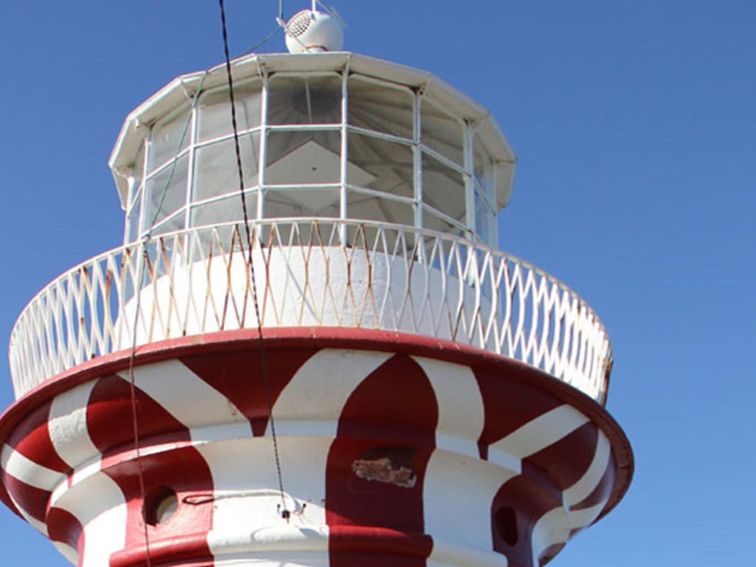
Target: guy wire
<point>261,341</point>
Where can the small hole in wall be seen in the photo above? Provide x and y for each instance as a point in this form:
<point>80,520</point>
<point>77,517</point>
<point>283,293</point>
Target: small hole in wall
<point>505,521</point>
<point>160,506</point>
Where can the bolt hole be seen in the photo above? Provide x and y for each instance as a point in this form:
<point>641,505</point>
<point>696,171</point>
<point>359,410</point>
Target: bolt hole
<point>160,507</point>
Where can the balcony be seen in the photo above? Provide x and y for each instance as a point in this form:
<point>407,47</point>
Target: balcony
<point>311,273</point>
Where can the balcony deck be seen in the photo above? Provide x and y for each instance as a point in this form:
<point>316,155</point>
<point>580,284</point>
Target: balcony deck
<point>311,272</point>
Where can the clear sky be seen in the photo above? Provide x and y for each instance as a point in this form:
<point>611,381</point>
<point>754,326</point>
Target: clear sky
<point>635,128</point>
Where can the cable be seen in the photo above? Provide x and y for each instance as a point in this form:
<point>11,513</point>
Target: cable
<point>268,37</point>
<point>285,513</point>
<point>134,413</point>
<point>280,25</point>
<point>140,282</point>
<point>139,285</point>
<point>148,235</point>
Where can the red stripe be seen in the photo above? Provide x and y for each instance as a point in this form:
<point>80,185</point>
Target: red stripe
<point>568,459</point>
<point>377,547</point>
<point>529,496</point>
<point>31,438</point>
<point>549,553</point>
<point>603,489</point>
<point>33,500</point>
<point>184,471</point>
<point>238,376</point>
<point>508,405</point>
<point>187,549</point>
<point>538,490</point>
<point>181,468</point>
<point>376,465</point>
<point>64,527</point>
<point>109,418</point>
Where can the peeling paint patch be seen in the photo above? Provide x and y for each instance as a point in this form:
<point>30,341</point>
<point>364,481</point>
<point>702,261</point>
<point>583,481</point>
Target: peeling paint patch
<point>383,470</point>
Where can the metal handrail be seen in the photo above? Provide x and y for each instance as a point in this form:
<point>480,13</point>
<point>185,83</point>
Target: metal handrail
<point>311,272</point>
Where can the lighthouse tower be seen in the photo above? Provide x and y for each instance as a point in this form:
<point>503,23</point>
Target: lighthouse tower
<point>338,369</point>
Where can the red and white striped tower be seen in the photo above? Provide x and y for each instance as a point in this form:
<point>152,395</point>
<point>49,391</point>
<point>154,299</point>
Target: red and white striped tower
<point>362,379</point>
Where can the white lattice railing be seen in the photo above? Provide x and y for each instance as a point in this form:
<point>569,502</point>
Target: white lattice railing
<point>311,273</point>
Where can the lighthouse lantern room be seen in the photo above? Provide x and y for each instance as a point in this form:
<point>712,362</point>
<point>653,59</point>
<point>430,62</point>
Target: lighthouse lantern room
<point>340,136</point>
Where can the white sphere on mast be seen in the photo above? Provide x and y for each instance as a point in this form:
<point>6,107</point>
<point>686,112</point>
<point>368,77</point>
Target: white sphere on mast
<point>312,31</point>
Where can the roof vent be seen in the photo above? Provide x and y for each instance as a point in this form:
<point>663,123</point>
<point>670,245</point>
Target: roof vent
<point>311,31</point>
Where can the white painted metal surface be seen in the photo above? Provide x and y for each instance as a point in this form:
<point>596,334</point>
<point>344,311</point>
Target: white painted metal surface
<point>387,277</point>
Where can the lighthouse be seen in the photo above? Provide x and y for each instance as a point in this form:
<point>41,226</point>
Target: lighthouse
<point>309,350</point>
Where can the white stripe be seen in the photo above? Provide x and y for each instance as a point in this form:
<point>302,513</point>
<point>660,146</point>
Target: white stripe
<point>27,471</point>
<point>276,559</point>
<point>540,432</point>
<point>59,491</point>
<point>321,387</point>
<point>187,397</point>
<point>582,518</point>
<point>68,426</point>
<point>67,551</point>
<point>551,529</point>
<point>273,546</point>
<point>461,415</point>
<point>104,531</point>
<point>457,497</point>
<point>245,479</point>
<point>592,477</point>
<point>246,486</point>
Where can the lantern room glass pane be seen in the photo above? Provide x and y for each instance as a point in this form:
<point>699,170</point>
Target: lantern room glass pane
<point>484,172</point>
<point>134,217</point>
<point>216,170</point>
<point>374,208</point>
<point>380,107</point>
<point>485,219</point>
<point>305,99</point>
<point>228,209</point>
<point>175,222</point>
<point>166,192</point>
<point>215,110</point>
<point>303,158</point>
<point>169,138</point>
<point>443,188</point>
<point>381,165</point>
<point>434,222</point>
<point>138,171</point>
<point>305,202</point>
<point>442,132</point>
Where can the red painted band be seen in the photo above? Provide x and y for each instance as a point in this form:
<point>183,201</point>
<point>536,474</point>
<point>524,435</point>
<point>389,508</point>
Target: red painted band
<point>383,541</point>
<point>334,337</point>
<point>191,548</point>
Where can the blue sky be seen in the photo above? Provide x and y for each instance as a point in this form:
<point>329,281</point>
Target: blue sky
<point>635,128</point>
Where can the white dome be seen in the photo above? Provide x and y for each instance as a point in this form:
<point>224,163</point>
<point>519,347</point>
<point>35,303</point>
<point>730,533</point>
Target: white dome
<point>312,31</point>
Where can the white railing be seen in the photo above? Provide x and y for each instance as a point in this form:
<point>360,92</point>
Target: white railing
<point>311,273</point>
